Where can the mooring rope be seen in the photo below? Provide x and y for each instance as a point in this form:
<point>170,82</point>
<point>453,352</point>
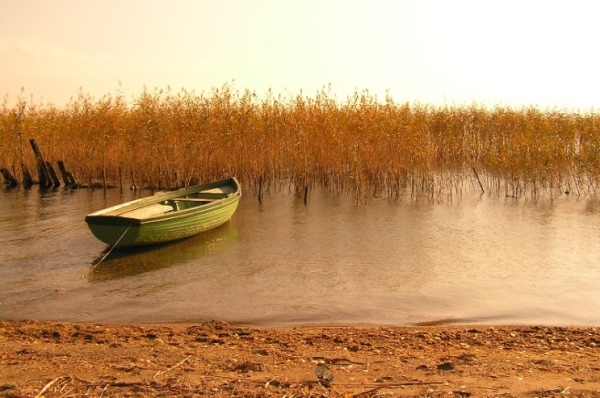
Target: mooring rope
<point>111,249</point>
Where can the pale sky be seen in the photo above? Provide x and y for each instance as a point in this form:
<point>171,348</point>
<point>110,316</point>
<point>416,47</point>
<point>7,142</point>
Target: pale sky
<point>456,52</point>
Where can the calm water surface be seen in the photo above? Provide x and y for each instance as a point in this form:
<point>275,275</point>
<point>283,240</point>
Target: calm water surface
<point>477,260</point>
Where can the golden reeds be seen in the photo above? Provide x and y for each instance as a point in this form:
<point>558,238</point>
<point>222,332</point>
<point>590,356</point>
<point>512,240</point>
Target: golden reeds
<point>361,145</point>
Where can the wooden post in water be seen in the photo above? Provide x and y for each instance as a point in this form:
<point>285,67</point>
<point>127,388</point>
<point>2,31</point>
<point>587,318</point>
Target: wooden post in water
<point>133,186</point>
<point>260,189</point>
<point>9,180</point>
<point>53,175</point>
<point>306,194</point>
<point>121,179</point>
<point>44,173</point>
<point>66,176</point>
<point>478,180</point>
<point>27,180</point>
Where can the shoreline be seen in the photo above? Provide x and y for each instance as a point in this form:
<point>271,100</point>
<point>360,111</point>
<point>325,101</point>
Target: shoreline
<point>59,359</point>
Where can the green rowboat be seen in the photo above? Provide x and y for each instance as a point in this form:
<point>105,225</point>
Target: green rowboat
<point>167,216</point>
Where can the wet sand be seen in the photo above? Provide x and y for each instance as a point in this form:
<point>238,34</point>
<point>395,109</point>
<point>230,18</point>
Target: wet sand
<point>222,360</point>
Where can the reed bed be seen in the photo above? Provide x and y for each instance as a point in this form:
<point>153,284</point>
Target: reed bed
<point>361,146</point>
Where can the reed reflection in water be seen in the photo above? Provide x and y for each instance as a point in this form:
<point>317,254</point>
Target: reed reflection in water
<point>478,259</point>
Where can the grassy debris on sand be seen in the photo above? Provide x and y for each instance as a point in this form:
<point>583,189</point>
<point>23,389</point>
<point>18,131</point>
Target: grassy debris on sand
<point>222,360</point>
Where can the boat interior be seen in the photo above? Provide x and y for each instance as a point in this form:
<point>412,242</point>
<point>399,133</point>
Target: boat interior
<point>180,203</point>
<point>194,200</point>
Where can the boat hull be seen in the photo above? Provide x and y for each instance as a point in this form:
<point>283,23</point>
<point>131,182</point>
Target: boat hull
<point>166,216</point>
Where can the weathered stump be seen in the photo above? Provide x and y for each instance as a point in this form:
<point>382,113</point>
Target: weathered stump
<point>9,180</point>
<point>66,176</point>
<point>53,176</point>
<point>27,179</point>
<point>43,172</point>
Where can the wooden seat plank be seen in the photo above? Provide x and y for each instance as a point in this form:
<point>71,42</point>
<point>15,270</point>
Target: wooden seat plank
<point>194,200</point>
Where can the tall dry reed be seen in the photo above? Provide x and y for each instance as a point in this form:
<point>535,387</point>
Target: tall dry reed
<point>360,145</point>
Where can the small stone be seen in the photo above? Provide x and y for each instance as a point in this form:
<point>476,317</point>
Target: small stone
<point>445,366</point>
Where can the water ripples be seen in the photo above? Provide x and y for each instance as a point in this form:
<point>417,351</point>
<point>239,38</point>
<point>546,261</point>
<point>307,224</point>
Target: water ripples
<point>281,262</point>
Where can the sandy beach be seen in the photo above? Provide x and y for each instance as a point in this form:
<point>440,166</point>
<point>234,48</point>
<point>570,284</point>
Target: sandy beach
<point>222,360</point>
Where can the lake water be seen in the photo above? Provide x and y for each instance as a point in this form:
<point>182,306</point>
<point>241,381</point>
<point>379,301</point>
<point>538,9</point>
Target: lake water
<point>479,259</point>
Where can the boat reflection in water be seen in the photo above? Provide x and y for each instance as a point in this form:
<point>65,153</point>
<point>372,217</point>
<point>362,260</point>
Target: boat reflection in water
<point>138,260</point>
